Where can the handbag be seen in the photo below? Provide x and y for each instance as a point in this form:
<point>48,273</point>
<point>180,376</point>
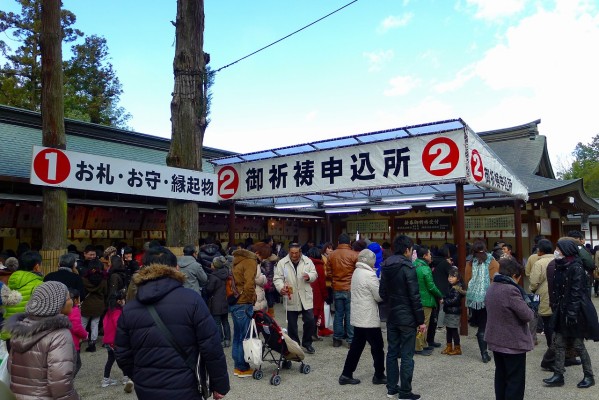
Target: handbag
<point>231,289</point>
<point>252,346</point>
<point>197,366</point>
<point>328,318</point>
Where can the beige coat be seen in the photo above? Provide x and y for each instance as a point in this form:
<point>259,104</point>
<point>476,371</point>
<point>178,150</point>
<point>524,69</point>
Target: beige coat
<point>42,358</point>
<point>285,272</point>
<point>365,297</point>
<point>260,281</point>
<point>538,283</point>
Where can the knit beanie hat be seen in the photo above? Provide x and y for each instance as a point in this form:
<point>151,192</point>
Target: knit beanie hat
<point>109,252</point>
<point>47,299</point>
<point>221,261</point>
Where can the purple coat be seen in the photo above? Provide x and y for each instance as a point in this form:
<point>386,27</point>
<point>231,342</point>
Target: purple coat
<point>507,320</point>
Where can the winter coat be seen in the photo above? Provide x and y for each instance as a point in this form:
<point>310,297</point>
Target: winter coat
<point>538,283</point>
<point>441,268</point>
<point>94,303</point>
<point>452,302</point>
<point>244,273</point>
<point>117,280</point>
<point>286,273</point>
<point>69,278</point>
<point>145,356</point>
<point>260,281</point>
<point>207,254</point>
<point>342,263</point>
<point>193,271</point>
<point>587,259</point>
<point>508,316</point>
<point>378,253</point>
<point>42,358</point>
<point>571,295</point>
<point>429,293</point>
<point>365,297</point>
<point>217,294</point>
<point>319,287</point>
<point>399,289</point>
<point>78,331</point>
<point>268,269</point>
<point>109,323</point>
<point>23,282</point>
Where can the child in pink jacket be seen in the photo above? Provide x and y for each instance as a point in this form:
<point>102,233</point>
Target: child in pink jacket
<point>77,330</point>
<point>116,301</point>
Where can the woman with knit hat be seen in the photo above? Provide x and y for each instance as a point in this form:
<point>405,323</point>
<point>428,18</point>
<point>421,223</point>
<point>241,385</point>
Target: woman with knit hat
<point>42,355</point>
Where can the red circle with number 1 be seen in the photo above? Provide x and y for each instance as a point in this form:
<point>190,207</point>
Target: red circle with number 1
<point>52,166</point>
<point>440,156</point>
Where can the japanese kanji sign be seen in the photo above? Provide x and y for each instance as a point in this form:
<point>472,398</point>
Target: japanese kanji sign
<point>409,161</point>
<point>69,169</point>
<point>423,224</point>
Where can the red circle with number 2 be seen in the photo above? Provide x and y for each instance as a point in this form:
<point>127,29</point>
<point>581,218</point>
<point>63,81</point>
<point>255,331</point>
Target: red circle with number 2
<point>440,156</point>
<point>228,182</point>
<point>52,166</point>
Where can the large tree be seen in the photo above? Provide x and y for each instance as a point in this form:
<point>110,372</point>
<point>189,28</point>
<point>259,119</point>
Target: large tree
<point>20,76</point>
<point>585,166</point>
<point>188,115</point>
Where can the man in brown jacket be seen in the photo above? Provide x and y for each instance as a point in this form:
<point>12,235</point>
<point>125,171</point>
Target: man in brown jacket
<point>342,263</point>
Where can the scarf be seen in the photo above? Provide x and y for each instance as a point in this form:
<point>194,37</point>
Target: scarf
<point>477,288</point>
<point>528,298</point>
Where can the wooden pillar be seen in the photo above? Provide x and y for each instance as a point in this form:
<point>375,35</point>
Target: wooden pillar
<point>231,223</point>
<point>518,229</point>
<point>460,237</point>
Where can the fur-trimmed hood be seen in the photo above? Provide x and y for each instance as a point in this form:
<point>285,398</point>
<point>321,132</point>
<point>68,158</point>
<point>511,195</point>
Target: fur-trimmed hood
<point>9,297</point>
<point>27,330</point>
<point>240,254</point>
<point>156,281</point>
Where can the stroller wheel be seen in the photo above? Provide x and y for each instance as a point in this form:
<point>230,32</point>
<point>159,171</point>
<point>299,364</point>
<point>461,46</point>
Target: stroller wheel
<point>275,380</point>
<point>258,374</point>
<point>287,364</point>
<point>305,369</point>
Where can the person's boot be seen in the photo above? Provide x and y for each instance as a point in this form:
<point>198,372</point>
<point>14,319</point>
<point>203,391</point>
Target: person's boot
<point>271,311</point>
<point>457,351</point>
<point>448,349</point>
<point>587,382</point>
<point>555,380</point>
<point>482,345</point>
<point>91,347</point>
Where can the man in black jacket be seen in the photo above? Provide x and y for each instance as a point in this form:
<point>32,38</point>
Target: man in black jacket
<point>67,267</point>
<point>399,289</point>
<point>145,354</point>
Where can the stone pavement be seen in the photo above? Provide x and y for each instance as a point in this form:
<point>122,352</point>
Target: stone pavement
<point>436,377</point>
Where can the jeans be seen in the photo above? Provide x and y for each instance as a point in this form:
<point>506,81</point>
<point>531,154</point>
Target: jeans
<point>510,376</point>
<point>401,341</point>
<point>223,327</point>
<point>94,327</point>
<point>342,315</point>
<point>374,337</point>
<point>560,354</point>
<point>309,326</point>
<point>242,315</point>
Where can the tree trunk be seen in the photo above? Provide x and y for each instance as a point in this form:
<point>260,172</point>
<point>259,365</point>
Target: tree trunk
<point>188,111</point>
<point>54,226</point>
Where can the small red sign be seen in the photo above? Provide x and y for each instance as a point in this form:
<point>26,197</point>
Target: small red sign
<point>440,156</point>
<point>228,182</point>
<point>476,166</point>
<point>52,166</point>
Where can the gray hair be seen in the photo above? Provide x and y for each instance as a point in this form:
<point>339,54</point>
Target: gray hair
<point>67,260</point>
<point>11,264</point>
<point>367,257</point>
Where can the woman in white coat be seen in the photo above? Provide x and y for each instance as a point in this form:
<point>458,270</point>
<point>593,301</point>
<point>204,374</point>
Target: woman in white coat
<point>365,320</point>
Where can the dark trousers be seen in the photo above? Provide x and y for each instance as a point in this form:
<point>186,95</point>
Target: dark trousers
<point>78,363</point>
<point>401,342</point>
<point>109,363</point>
<point>510,376</point>
<point>309,326</point>
<point>548,329</point>
<point>453,336</point>
<point>432,326</point>
<point>222,326</point>
<point>374,337</point>
<point>561,343</point>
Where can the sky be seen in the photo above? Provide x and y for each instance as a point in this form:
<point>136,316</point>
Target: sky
<point>375,65</point>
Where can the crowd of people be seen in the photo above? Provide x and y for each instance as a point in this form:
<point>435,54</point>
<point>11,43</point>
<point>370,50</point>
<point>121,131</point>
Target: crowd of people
<point>157,312</point>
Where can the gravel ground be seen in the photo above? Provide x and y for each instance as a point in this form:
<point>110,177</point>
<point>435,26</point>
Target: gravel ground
<point>436,377</point>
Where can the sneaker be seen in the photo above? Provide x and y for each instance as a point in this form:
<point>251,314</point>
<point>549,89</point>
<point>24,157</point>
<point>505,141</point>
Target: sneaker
<point>411,396</point>
<point>244,374</point>
<point>91,347</point>
<point>392,395</point>
<point>128,386</point>
<point>424,352</point>
<point>108,382</point>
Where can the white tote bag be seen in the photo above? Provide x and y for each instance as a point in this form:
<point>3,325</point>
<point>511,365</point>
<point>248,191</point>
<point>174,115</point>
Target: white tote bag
<point>252,346</point>
<point>4,376</point>
<point>328,318</point>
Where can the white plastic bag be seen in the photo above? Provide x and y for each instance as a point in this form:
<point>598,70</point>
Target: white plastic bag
<point>252,346</point>
<point>328,318</point>
<point>4,376</point>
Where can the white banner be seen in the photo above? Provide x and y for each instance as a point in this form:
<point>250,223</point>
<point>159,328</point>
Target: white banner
<point>409,161</point>
<point>69,169</point>
<point>485,169</point>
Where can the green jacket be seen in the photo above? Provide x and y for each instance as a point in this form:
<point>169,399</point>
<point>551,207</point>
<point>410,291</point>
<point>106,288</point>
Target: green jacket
<point>428,291</point>
<point>24,282</point>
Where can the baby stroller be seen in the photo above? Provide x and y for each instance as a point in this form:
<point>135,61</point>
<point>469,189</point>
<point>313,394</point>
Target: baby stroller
<point>278,348</point>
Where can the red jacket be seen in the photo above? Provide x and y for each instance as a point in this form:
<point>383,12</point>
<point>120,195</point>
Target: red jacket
<point>319,286</point>
<point>77,330</point>
<point>109,321</point>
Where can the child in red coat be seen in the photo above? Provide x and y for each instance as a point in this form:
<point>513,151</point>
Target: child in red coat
<point>77,330</point>
<point>115,308</point>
